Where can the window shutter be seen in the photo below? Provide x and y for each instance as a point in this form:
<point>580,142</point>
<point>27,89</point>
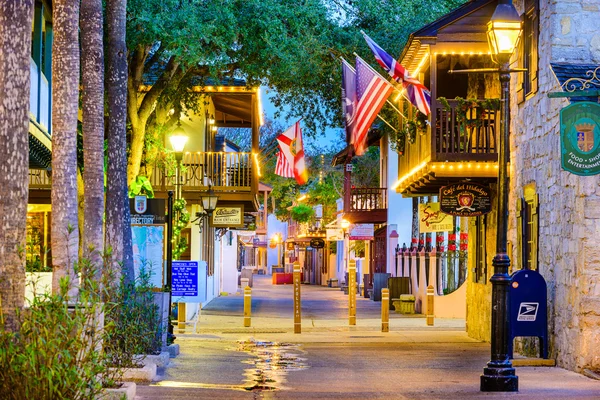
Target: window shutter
<point>534,232</point>
<point>520,221</point>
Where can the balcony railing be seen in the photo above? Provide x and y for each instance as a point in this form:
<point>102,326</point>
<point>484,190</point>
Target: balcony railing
<point>367,199</point>
<point>224,171</point>
<point>454,135</point>
<point>465,135</point>
<point>39,179</point>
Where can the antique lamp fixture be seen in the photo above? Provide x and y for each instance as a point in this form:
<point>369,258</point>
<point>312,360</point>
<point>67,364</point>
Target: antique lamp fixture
<point>504,31</point>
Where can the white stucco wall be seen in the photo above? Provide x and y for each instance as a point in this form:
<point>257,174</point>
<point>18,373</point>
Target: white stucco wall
<point>275,226</point>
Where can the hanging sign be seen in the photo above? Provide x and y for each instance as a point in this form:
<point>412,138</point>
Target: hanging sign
<point>317,243</point>
<point>228,217</point>
<point>431,219</point>
<point>580,138</point>
<point>465,199</point>
<point>362,232</point>
<point>335,234</point>
<point>146,211</point>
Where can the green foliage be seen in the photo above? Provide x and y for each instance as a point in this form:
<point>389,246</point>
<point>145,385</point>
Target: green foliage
<point>182,219</point>
<point>468,111</point>
<point>141,186</point>
<point>302,213</point>
<point>134,324</point>
<point>56,353</point>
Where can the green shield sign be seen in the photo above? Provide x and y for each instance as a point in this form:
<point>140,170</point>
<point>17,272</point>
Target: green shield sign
<point>580,138</point>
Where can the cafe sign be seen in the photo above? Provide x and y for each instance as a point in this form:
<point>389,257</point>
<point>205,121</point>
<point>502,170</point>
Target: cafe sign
<point>228,217</point>
<point>431,219</point>
<point>465,199</point>
<point>580,138</point>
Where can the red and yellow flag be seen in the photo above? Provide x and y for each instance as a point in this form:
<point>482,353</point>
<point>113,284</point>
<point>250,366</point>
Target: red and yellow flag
<point>291,154</point>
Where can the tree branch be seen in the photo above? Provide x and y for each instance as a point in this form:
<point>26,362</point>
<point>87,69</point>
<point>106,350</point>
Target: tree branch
<point>154,93</point>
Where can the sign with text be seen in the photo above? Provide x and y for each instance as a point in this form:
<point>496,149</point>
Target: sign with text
<point>362,232</point>
<point>228,217</point>
<point>431,219</point>
<point>317,243</point>
<point>184,279</point>
<point>335,234</point>
<point>580,138</point>
<point>465,199</point>
<point>147,211</point>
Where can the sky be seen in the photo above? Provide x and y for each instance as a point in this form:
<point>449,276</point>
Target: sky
<point>331,135</point>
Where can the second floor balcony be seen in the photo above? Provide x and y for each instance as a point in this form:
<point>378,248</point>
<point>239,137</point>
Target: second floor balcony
<point>459,142</point>
<point>366,205</point>
<point>223,171</point>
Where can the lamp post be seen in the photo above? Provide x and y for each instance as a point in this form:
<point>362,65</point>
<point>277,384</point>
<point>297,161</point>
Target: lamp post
<point>178,140</point>
<point>499,375</point>
<point>345,225</point>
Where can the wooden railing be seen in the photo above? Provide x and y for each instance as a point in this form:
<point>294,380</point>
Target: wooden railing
<point>39,179</point>
<point>470,137</point>
<point>224,171</point>
<point>367,199</point>
<point>453,136</point>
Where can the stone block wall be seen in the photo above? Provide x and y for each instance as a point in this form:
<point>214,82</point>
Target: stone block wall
<point>569,205</point>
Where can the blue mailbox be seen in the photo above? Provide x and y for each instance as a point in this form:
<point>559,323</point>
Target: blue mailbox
<point>528,309</point>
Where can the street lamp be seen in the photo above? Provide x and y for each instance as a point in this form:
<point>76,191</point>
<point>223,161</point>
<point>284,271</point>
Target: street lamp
<point>178,140</point>
<point>209,201</point>
<point>277,240</point>
<point>504,30</point>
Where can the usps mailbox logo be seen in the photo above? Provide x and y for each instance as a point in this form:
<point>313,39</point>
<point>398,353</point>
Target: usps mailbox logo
<point>528,311</point>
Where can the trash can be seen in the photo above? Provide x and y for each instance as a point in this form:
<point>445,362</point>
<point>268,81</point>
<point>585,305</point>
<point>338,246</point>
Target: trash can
<point>407,304</point>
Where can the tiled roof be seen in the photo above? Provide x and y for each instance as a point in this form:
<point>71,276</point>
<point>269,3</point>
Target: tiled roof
<point>577,77</point>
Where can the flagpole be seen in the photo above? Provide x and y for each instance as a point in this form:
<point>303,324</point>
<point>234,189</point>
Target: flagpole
<point>395,88</point>
<point>387,123</point>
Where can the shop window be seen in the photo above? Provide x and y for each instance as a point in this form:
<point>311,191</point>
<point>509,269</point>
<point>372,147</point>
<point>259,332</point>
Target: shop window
<point>528,80</point>
<point>480,268</point>
<point>527,228</point>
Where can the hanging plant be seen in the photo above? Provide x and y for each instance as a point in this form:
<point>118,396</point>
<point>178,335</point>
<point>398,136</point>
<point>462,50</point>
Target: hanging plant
<point>469,113</point>
<point>302,213</point>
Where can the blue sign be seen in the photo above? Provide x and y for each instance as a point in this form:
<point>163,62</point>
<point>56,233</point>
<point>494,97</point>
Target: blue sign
<point>184,278</point>
<point>528,308</point>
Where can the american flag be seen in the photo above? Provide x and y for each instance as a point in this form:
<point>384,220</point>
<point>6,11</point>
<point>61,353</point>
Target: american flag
<point>371,92</point>
<point>416,92</point>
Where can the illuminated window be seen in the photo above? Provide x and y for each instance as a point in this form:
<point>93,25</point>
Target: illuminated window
<point>527,228</point>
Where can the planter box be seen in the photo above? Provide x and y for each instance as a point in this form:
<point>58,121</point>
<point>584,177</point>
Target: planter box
<point>127,390</point>
<point>161,360</point>
<point>161,299</point>
<point>145,374</point>
<point>172,349</point>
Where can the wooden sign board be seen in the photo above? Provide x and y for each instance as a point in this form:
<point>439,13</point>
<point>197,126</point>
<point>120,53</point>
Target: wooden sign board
<point>431,219</point>
<point>317,243</point>
<point>465,199</point>
<point>228,217</point>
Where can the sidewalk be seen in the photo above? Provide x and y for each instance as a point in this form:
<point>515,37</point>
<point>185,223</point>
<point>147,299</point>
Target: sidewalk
<point>330,359</point>
<point>324,318</point>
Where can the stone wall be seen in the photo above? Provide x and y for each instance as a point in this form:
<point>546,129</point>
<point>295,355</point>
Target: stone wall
<point>569,205</point>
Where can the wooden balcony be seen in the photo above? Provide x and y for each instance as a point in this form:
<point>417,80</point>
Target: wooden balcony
<point>456,145</point>
<point>224,171</point>
<point>232,175</point>
<point>366,205</point>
